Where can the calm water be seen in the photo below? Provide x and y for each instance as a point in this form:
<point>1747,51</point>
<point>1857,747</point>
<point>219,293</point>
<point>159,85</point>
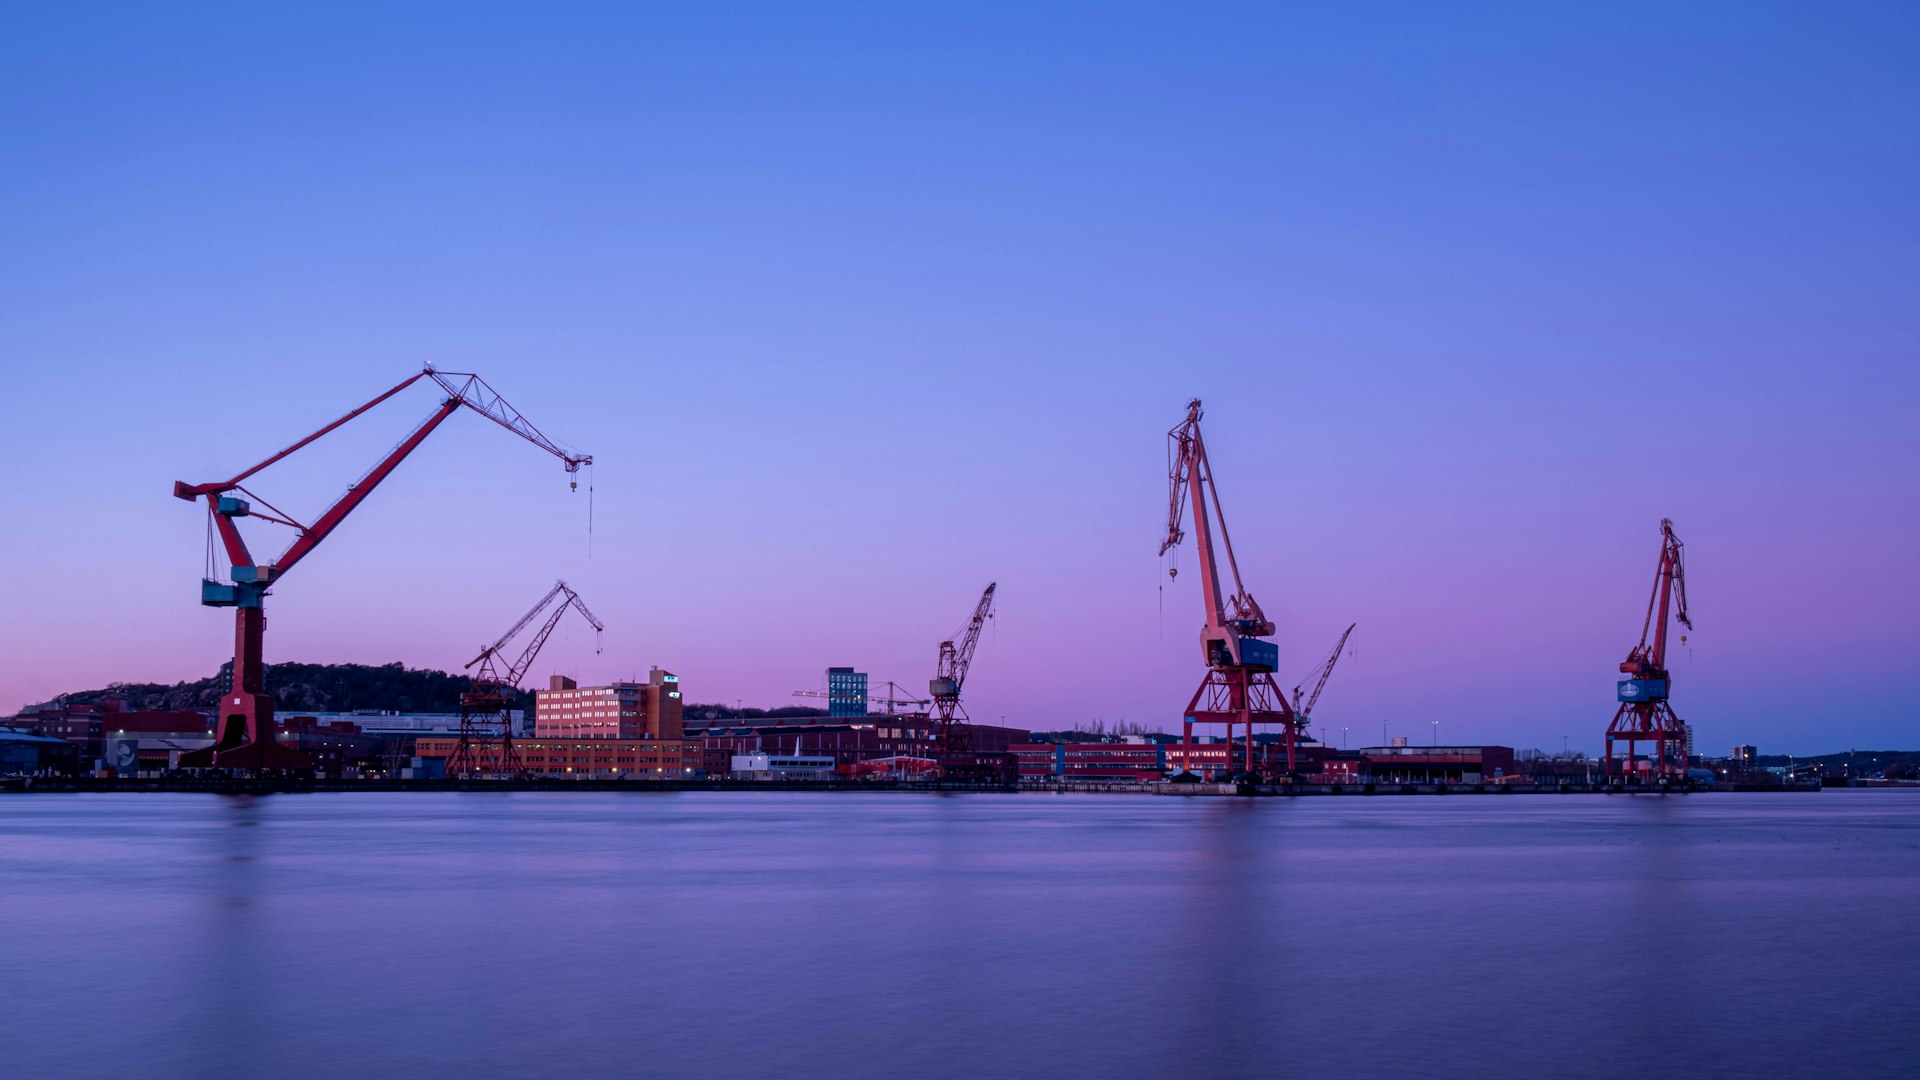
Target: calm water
<point>594,935</point>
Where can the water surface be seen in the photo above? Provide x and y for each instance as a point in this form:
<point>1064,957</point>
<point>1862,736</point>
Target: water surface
<point>755,934</point>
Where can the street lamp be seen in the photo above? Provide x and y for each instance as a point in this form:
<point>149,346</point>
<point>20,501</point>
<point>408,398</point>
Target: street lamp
<point>1436,733</point>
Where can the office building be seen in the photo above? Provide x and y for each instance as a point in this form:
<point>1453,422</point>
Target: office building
<point>622,710</point>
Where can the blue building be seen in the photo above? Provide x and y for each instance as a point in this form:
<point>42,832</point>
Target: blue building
<point>846,692</point>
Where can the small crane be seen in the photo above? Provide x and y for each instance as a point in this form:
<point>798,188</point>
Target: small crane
<point>1644,715</point>
<point>1238,688</point>
<point>1304,709</point>
<point>950,675</point>
<point>489,699</point>
<point>245,734</point>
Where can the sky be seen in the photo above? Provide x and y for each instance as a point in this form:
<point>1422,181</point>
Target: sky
<point>859,307</point>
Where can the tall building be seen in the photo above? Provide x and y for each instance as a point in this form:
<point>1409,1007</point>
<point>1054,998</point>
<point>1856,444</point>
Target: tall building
<point>846,692</point>
<point>622,710</point>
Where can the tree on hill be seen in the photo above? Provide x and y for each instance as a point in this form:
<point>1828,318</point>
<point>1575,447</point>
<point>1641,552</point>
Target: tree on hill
<point>300,687</point>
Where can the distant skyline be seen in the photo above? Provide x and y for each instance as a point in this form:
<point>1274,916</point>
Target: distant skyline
<point>861,307</point>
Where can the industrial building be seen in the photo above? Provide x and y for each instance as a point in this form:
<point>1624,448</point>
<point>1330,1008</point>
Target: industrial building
<point>575,759</point>
<point>621,710</point>
<point>377,722</point>
<point>1135,760</point>
<point>1402,764</point>
<point>28,753</point>
<point>102,732</point>
<point>782,767</point>
<point>847,741</point>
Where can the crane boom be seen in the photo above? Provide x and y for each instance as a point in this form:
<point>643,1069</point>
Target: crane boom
<point>518,669</point>
<point>474,393</point>
<point>890,697</point>
<point>1669,594</point>
<point>1190,480</point>
<point>1304,709</point>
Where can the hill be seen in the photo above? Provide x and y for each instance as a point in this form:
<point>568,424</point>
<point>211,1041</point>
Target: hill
<point>309,687</point>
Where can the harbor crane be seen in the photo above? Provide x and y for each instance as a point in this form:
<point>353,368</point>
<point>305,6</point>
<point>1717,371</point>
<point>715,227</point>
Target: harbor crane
<point>1644,715</point>
<point>1319,676</point>
<point>950,675</point>
<point>1238,689</point>
<point>487,705</point>
<point>246,735</point>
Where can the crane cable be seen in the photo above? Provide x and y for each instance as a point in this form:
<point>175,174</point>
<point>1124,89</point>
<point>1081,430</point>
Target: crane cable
<point>209,570</point>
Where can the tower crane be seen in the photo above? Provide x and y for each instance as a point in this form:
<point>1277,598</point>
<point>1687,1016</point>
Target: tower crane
<point>890,698</point>
<point>950,675</point>
<point>1644,715</point>
<point>1320,675</point>
<point>1238,688</point>
<point>488,700</point>
<point>245,733</point>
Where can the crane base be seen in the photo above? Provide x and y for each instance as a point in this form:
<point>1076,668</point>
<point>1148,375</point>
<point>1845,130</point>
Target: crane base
<point>246,755</point>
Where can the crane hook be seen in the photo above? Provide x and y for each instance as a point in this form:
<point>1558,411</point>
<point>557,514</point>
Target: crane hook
<point>1173,572</point>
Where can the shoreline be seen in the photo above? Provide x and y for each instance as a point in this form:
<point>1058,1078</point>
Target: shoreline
<point>72,786</point>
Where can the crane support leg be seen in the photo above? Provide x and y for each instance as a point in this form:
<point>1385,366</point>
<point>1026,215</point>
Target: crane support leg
<point>245,734</point>
<point>1239,697</point>
<point>1648,721</point>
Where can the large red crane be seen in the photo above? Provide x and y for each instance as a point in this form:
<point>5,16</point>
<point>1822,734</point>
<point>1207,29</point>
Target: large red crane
<point>1644,715</point>
<point>487,705</point>
<point>1238,689</point>
<point>245,733</point>
<point>950,675</point>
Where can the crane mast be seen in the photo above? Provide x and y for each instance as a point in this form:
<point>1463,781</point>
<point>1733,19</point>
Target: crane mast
<point>1644,714</point>
<point>488,702</point>
<point>1238,689</point>
<point>245,732</point>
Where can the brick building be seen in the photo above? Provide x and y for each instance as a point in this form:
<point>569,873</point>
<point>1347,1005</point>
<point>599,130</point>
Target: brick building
<point>622,710</point>
<point>1439,764</point>
<point>1136,761</point>
<point>581,759</point>
<point>109,735</point>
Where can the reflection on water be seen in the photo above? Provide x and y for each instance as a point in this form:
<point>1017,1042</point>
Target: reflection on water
<point>876,935</point>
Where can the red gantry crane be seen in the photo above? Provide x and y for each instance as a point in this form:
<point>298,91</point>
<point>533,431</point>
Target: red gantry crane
<point>1239,689</point>
<point>487,706</point>
<point>950,674</point>
<point>1644,715</point>
<point>245,733</point>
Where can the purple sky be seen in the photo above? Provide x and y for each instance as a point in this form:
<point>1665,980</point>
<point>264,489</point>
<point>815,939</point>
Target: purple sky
<point>862,313</point>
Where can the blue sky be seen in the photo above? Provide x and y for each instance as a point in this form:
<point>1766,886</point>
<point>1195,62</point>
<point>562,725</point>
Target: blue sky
<point>862,306</point>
